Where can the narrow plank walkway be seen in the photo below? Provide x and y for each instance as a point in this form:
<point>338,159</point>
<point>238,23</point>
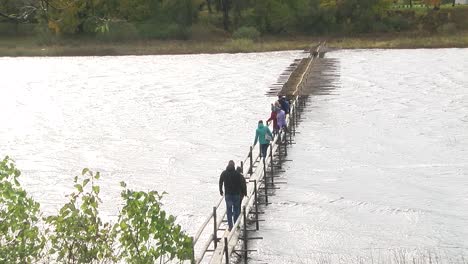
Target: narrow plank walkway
<point>213,243</point>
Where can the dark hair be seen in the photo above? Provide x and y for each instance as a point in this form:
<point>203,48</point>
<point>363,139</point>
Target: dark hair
<point>239,169</point>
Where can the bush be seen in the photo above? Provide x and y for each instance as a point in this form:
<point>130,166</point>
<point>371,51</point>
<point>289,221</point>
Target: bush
<point>206,32</point>
<point>79,236</point>
<point>158,31</point>
<point>380,26</point>
<point>397,23</point>
<point>21,240</point>
<point>240,45</point>
<point>144,232</point>
<point>447,28</point>
<point>16,29</point>
<point>246,33</point>
<point>118,30</point>
<point>8,29</point>
<point>44,36</point>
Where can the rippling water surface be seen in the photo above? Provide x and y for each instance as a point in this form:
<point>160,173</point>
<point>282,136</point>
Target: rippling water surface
<point>380,164</point>
<point>168,123</point>
<point>380,169</point>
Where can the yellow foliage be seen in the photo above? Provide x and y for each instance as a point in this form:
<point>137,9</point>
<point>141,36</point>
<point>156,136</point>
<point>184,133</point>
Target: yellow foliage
<point>433,2</point>
<point>54,27</point>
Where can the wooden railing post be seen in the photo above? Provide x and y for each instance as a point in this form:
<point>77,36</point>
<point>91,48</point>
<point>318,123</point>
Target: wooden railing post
<point>245,235</point>
<point>251,161</point>
<point>295,118</point>
<point>256,205</point>
<point>272,172</point>
<point>215,228</point>
<point>192,260</point>
<point>278,142</point>
<point>242,166</point>
<point>285,142</point>
<point>226,250</point>
<point>265,183</point>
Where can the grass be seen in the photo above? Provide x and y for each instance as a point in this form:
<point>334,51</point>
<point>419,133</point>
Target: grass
<point>403,41</point>
<point>28,46</point>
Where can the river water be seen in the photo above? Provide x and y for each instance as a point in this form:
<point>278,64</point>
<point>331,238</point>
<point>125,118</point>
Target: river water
<point>165,123</point>
<point>380,165</point>
<point>380,169</point>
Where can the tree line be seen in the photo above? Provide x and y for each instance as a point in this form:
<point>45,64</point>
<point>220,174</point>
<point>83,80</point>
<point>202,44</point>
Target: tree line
<point>74,17</point>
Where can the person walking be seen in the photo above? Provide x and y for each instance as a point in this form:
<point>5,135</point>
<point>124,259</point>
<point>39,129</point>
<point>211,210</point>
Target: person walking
<point>284,104</point>
<point>273,118</point>
<point>264,136</point>
<point>281,116</point>
<point>232,181</point>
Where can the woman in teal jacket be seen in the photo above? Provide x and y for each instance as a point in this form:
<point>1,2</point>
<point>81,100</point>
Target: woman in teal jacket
<point>264,136</point>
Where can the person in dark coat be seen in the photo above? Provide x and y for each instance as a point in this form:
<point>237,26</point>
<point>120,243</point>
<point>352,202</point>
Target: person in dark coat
<point>232,182</point>
<point>243,184</point>
<point>284,104</point>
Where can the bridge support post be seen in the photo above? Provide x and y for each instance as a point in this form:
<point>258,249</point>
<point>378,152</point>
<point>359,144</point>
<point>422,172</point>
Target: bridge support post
<point>295,119</point>
<point>226,250</point>
<point>251,161</point>
<point>192,258</point>
<point>271,164</point>
<point>245,236</point>
<point>285,142</point>
<point>290,135</point>
<point>215,229</point>
<point>265,183</point>
<point>278,142</point>
<point>256,206</point>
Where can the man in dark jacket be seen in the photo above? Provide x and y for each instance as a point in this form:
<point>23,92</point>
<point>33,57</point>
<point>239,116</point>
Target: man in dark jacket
<point>232,182</point>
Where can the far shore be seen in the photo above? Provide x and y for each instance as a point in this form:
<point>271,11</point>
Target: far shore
<point>28,46</point>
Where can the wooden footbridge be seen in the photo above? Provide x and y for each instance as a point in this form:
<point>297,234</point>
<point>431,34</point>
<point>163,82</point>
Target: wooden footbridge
<point>213,243</point>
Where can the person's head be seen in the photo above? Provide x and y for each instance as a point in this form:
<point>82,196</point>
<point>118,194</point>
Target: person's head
<point>277,104</point>
<point>239,169</point>
<point>231,165</point>
<point>260,123</point>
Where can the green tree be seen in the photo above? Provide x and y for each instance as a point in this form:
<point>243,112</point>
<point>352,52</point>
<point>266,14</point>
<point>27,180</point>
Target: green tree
<point>21,240</point>
<point>146,233</point>
<point>71,16</point>
<point>18,10</point>
<point>79,235</point>
<point>359,15</point>
<point>274,16</point>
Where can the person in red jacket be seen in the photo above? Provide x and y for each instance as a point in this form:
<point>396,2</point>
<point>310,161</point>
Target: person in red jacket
<point>274,119</point>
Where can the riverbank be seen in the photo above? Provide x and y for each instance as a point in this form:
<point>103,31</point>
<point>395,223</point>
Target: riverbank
<point>28,46</point>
